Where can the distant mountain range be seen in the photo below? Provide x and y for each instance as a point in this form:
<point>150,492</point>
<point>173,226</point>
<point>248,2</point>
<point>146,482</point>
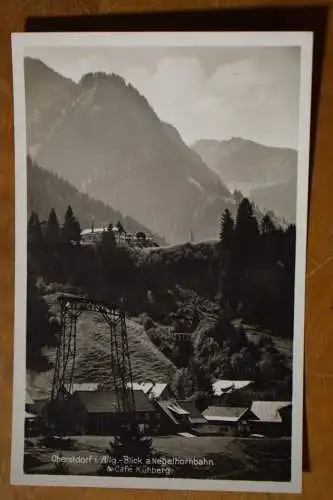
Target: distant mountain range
<point>103,137</point>
<point>266,174</point>
<point>279,198</point>
<point>47,190</point>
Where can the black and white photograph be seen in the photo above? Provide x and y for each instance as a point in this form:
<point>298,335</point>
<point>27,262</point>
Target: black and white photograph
<point>161,212</point>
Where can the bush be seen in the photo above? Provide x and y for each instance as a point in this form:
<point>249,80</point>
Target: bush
<point>130,441</point>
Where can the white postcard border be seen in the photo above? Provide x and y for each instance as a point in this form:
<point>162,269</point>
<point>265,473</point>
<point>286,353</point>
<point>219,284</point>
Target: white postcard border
<point>21,41</point>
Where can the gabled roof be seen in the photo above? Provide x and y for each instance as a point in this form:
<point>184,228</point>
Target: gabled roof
<point>176,408</point>
<point>157,390</point>
<point>269,411</point>
<point>195,417</point>
<point>106,402</point>
<point>153,390</point>
<point>221,387</point>
<point>164,406</point>
<point>224,413</point>
<point>141,386</point>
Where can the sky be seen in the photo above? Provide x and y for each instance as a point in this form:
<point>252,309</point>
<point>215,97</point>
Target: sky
<point>206,93</point>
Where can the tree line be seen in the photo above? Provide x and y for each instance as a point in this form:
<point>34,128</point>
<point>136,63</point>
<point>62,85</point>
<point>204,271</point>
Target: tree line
<point>257,269</point>
<point>55,256</point>
<point>251,276</point>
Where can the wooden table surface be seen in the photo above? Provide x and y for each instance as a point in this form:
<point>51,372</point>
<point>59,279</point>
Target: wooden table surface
<point>318,481</point>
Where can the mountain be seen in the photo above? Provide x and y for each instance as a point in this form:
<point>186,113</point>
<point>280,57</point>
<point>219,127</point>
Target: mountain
<point>254,169</point>
<point>47,190</point>
<point>280,198</point>
<point>47,95</point>
<point>103,136</point>
<point>242,161</point>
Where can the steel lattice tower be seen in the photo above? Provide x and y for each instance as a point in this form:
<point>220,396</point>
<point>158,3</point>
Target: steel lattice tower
<point>71,308</point>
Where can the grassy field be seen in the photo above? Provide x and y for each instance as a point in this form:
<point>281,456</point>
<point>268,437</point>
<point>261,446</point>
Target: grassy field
<point>148,363</point>
<point>229,458</point>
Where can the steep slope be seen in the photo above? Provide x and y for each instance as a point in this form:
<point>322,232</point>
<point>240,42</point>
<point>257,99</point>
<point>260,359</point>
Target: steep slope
<point>47,190</point>
<point>47,96</point>
<point>258,171</point>
<point>240,160</point>
<point>147,362</point>
<point>109,142</point>
<point>281,198</point>
<point>93,355</point>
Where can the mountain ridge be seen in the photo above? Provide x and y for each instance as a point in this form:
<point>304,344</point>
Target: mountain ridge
<point>47,190</point>
<point>254,169</point>
<point>105,139</point>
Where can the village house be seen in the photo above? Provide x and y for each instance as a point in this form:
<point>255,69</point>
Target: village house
<point>271,418</point>
<point>98,413</point>
<point>35,415</point>
<point>226,420</point>
<point>93,235</point>
<point>174,417</point>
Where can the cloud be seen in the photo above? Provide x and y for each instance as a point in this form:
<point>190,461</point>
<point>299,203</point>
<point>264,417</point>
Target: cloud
<point>250,93</point>
<point>255,98</point>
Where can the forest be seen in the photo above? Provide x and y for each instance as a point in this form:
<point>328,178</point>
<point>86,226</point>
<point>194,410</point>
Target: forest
<point>216,291</point>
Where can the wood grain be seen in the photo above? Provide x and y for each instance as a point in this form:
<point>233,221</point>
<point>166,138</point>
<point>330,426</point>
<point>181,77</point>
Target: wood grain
<point>318,483</point>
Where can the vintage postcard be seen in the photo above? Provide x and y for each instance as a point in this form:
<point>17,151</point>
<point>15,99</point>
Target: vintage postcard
<point>161,214</point>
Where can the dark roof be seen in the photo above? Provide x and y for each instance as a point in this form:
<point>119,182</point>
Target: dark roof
<point>224,413</point>
<point>106,402</point>
<point>195,417</point>
<point>164,406</point>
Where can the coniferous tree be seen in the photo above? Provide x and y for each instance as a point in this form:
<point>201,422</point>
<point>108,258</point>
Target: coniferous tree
<point>129,440</point>
<point>121,230</point>
<point>245,252</point>
<point>267,225</point>
<point>35,245</point>
<point>226,248</point>
<point>34,231</point>
<point>238,196</point>
<point>51,248</point>
<point>52,228</point>
<point>246,235</point>
<point>227,231</point>
<point>108,240</point>
<point>120,227</point>
<point>269,240</point>
<point>71,230</point>
<point>288,259</point>
<point>246,230</point>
